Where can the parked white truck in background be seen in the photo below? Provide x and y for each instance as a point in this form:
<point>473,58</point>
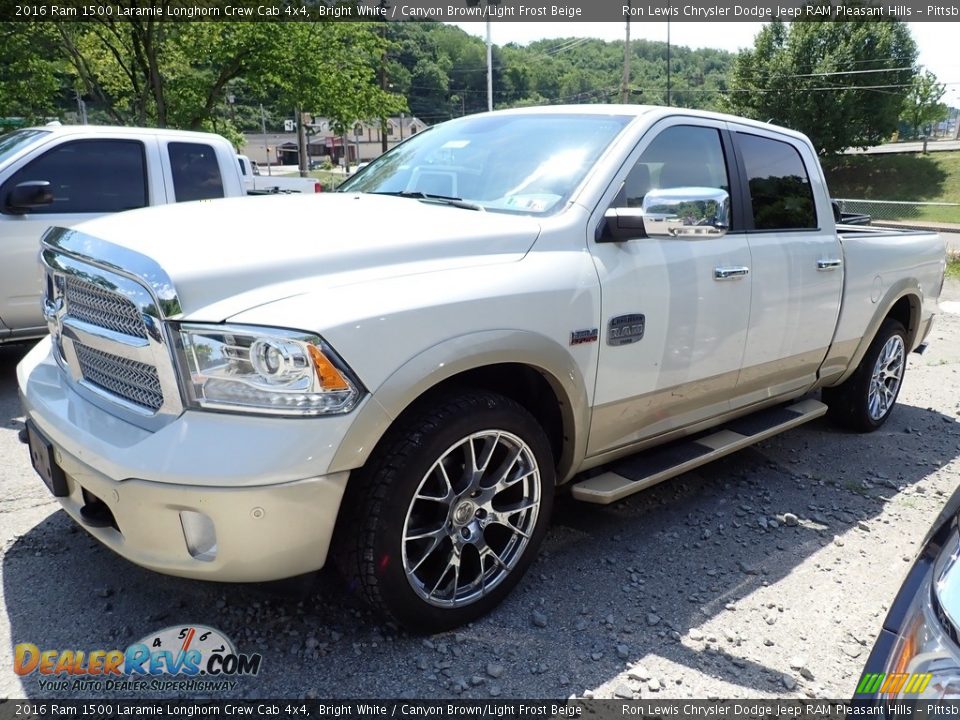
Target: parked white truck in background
<point>63,175</point>
<point>599,296</point>
<point>254,180</point>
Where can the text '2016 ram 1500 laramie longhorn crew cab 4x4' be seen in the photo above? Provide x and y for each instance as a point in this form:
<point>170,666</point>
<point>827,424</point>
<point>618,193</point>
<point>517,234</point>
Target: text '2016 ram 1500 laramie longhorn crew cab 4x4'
<point>503,304</point>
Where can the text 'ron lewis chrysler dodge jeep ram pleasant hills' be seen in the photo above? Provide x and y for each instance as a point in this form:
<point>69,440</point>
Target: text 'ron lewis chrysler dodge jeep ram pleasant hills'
<point>398,376</point>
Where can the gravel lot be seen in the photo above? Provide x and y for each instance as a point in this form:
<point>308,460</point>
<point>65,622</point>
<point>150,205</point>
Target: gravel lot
<point>765,574</point>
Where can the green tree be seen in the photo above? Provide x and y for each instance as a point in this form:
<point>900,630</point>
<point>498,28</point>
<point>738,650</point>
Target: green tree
<point>841,83</point>
<point>32,78</point>
<point>151,72</point>
<point>922,106</point>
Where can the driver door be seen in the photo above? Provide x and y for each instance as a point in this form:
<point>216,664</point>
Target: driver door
<point>692,293</point>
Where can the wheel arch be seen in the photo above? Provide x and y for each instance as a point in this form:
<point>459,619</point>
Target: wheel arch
<point>902,302</point>
<point>533,370</point>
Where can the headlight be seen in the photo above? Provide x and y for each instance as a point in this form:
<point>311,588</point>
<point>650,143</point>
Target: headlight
<point>925,662</point>
<point>263,370</point>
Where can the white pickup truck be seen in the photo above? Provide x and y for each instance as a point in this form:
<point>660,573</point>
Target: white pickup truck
<point>255,181</point>
<point>596,297</point>
<point>63,175</point>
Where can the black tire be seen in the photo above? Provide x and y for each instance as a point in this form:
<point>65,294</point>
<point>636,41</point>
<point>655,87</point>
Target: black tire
<point>395,485</point>
<point>850,402</point>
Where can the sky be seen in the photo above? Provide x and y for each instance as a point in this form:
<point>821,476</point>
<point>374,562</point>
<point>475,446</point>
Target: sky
<point>934,39</point>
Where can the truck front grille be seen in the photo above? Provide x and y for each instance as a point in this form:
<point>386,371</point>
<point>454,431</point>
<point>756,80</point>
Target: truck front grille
<point>134,381</point>
<point>102,307</point>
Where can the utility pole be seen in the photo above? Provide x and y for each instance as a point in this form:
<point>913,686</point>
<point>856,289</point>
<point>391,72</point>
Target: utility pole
<point>625,83</point>
<point>266,148</point>
<point>301,143</point>
<point>383,84</point>
<point>668,61</point>
<point>489,69</point>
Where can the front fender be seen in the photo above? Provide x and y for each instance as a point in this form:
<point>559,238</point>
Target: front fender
<point>455,356</point>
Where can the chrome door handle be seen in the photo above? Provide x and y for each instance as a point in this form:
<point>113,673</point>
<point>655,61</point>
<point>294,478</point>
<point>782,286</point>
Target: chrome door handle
<point>730,273</point>
<point>831,264</point>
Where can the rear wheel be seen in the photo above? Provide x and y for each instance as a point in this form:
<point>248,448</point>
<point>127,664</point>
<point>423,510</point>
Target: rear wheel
<point>866,399</point>
<point>449,514</point>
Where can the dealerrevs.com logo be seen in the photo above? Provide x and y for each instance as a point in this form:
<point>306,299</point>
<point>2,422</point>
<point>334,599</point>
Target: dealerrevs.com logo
<point>192,658</point>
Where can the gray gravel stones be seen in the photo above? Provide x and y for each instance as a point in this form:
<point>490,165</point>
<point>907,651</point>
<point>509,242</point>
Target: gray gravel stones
<point>539,619</point>
<point>495,670</point>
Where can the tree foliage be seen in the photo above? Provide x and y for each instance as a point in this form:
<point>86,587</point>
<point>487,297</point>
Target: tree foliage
<point>31,79</point>
<point>922,106</point>
<point>841,83</point>
<point>190,75</point>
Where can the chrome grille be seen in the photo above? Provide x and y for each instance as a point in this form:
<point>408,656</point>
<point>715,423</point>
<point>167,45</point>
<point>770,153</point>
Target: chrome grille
<point>134,381</point>
<point>103,308</point>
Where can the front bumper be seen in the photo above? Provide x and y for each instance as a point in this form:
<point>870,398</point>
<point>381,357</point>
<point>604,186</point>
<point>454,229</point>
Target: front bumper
<point>262,483</point>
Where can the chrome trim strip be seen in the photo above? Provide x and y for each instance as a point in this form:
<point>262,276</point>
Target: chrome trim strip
<point>106,340</point>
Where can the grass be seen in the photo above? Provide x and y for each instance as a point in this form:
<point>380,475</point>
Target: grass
<point>913,177</point>
<point>329,180</point>
<point>953,265</point>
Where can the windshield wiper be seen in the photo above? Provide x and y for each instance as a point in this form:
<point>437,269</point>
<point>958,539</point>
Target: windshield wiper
<point>445,199</point>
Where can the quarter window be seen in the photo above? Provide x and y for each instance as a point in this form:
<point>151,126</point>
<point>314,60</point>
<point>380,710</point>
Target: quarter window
<point>88,176</point>
<point>680,156</point>
<point>780,189</point>
<point>196,173</point>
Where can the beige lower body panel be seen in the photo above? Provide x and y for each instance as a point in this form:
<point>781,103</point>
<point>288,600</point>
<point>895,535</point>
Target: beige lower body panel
<point>262,533</point>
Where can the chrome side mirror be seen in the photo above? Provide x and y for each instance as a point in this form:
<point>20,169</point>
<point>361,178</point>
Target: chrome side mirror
<point>686,212</point>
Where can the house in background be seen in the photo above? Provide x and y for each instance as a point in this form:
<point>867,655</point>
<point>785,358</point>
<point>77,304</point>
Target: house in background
<point>363,142</point>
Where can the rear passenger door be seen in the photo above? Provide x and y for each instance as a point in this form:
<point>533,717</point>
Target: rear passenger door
<point>796,265</point>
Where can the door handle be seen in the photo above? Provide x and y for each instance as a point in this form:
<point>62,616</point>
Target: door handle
<point>730,273</point>
<point>832,264</point>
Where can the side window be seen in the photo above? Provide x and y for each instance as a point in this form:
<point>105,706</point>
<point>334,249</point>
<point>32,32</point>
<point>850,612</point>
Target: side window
<point>88,176</point>
<point>196,173</point>
<point>779,185</point>
<point>680,156</point>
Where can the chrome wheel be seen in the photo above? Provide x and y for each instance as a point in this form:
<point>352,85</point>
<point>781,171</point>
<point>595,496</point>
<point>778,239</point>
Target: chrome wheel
<point>886,378</point>
<point>471,518</point>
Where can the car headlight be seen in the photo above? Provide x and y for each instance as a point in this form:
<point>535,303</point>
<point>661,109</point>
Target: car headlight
<point>263,370</point>
<point>925,661</point>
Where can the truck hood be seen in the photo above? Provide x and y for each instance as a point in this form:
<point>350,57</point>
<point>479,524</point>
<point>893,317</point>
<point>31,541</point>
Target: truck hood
<point>226,256</point>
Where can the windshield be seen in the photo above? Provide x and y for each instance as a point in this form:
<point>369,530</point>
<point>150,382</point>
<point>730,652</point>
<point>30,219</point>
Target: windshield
<point>14,141</point>
<point>526,164</point>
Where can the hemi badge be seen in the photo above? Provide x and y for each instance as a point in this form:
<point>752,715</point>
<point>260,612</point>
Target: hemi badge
<point>625,329</point>
<point>579,337</point>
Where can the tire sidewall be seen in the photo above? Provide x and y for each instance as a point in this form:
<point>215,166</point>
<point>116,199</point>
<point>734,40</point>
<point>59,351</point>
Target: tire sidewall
<point>395,589</point>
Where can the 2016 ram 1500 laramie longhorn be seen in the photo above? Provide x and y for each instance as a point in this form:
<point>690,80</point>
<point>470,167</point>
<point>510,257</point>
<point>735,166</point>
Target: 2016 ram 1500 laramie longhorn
<point>398,376</point>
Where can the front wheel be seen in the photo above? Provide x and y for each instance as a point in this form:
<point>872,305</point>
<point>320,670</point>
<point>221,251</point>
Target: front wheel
<point>447,517</point>
<point>866,399</point>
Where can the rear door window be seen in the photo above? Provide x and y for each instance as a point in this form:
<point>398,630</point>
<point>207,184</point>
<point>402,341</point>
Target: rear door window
<point>88,176</point>
<point>779,185</point>
<point>196,172</point>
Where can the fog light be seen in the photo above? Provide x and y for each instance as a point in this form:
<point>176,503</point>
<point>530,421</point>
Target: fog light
<point>199,534</point>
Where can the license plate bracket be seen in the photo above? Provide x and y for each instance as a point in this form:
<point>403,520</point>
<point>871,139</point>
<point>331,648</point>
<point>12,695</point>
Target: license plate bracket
<point>41,455</point>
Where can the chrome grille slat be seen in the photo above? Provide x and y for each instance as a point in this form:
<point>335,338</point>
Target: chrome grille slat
<point>103,308</point>
<point>133,381</point>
